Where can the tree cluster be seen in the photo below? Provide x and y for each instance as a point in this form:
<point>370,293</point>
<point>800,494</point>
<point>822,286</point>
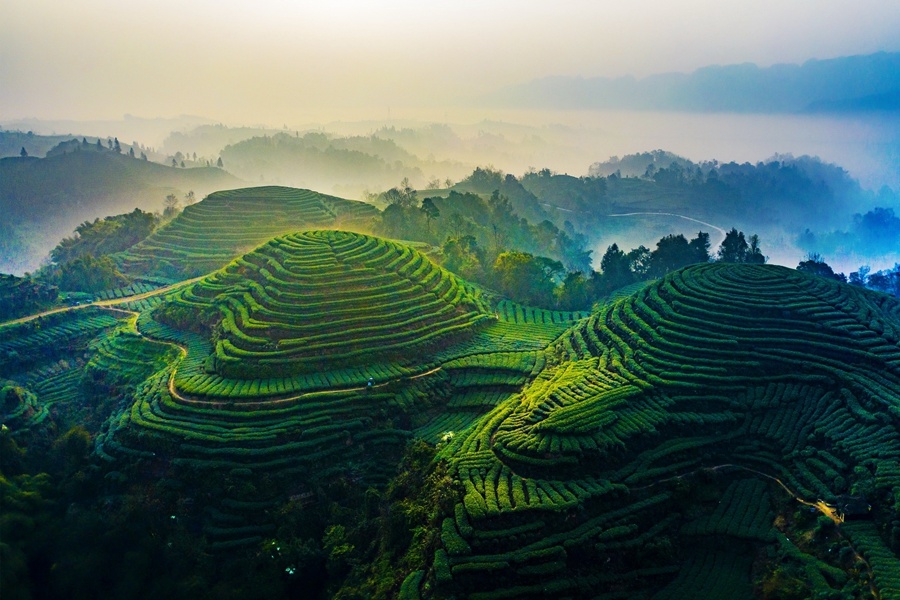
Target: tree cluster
<point>492,224</point>
<point>105,236</point>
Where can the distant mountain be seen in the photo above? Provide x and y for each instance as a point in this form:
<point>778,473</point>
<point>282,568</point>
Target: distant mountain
<point>12,142</point>
<point>151,131</point>
<point>42,200</point>
<point>846,84</point>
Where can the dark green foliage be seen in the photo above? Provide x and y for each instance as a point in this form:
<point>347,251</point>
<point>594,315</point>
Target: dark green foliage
<point>24,295</point>
<point>107,236</point>
<point>527,278</point>
<point>88,273</point>
<point>816,265</point>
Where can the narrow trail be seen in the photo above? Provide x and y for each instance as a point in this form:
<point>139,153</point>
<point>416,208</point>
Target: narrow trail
<point>103,303</point>
<point>261,404</point>
<point>819,505</point>
<point>667,214</point>
<point>826,509</point>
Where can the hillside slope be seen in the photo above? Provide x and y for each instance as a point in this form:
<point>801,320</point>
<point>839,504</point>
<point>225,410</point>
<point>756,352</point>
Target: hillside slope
<point>207,235</point>
<point>321,300</point>
<point>43,200</point>
<point>645,461</point>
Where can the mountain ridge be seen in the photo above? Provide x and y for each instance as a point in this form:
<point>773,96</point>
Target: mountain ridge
<point>845,84</point>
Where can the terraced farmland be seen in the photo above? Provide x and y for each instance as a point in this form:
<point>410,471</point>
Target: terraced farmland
<point>207,235</point>
<point>750,384</point>
<point>702,436</point>
<point>320,301</point>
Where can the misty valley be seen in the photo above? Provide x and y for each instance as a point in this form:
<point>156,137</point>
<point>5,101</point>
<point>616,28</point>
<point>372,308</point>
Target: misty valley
<point>590,337</point>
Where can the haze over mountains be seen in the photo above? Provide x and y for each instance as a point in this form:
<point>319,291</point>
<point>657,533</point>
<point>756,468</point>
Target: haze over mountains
<point>844,84</point>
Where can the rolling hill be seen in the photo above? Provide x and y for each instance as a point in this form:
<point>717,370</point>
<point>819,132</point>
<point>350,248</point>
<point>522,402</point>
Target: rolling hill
<point>647,459</point>
<point>207,235</point>
<point>44,199</point>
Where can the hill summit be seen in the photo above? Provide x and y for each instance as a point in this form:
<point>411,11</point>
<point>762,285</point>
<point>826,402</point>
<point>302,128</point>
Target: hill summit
<point>309,301</point>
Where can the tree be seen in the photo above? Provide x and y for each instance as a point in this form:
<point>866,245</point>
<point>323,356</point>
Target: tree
<point>700,247</point>
<point>393,197</point>
<point>89,274</point>
<point>23,152</point>
<point>430,210</point>
<point>463,256</point>
<point>394,221</point>
<point>174,163</point>
<point>754,253</point>
<point>219,163</point>
<point>117,147</point>
<point>189,198</point>
<point>143,156</point>
<point>459,225</point>
<point>672,253</point>
<point>816,265</point>
<point>615,268</point>
<point>639,262</point>
<point>131,152</point>
<point>105,236</point>
<point>527,278</point>
<point>407,194</point>
<point>99,145</point>
<point>734,247</point>
<point>574,293</point>
<point>172,206</point>
<point>860,276</point>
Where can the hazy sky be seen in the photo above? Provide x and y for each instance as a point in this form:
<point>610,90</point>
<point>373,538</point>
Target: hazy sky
<point>279,61</point>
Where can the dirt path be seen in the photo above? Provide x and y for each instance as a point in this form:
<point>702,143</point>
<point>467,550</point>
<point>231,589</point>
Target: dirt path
<point>104,303</point>
<point>826,509</point>
<point>257,404</point>
<point>721,231</point>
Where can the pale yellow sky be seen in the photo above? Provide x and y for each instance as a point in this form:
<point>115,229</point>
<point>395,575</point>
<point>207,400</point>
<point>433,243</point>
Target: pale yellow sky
<point>276,61</point>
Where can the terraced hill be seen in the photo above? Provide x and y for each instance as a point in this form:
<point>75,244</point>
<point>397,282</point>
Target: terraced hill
<point>644,460</point>
<point>330,348</point>
<point>224,225</point>
<point>325,300</point>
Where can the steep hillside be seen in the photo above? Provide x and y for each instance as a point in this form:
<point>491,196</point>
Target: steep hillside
<point>644,461</point>
<point>43,200</point>
<point>206,235</point>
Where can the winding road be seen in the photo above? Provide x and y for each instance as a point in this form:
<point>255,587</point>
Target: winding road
<point>667,214</point>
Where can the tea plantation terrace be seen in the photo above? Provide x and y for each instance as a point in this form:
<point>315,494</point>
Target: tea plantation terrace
<point>760,373</point>
<point>207,235</point>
